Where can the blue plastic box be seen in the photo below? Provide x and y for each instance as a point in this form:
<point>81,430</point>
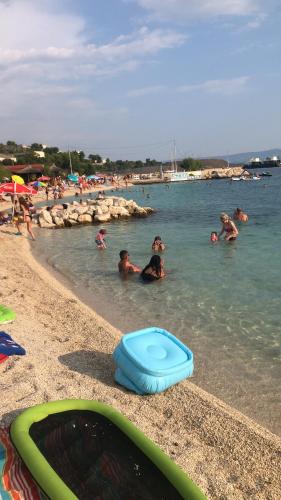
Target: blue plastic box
<point>151,360</point>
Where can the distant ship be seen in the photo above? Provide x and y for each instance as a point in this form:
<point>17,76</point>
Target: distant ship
<point>269,162</point>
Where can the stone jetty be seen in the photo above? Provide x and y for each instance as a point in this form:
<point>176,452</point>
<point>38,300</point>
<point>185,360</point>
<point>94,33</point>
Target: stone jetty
<point>91,211</point>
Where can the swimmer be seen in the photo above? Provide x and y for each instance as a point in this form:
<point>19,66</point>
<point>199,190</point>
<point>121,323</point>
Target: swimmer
<point>158,245</point>
<point>240,216</point>
<point>100,241</point>
<point>228,227</point>
<point>125,266</point>
<point>214,237</point>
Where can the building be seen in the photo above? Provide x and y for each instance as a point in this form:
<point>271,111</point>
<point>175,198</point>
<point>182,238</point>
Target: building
<point>39,154</point>
<point>7,157</point>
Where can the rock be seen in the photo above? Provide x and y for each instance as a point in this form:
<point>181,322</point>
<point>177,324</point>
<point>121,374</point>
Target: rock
<point>45,216</point>
<point>102,217</point>
<point>83,218</point>
<point>109,202</point>
<point>104,209</point>
<point>99,211</point>
<point>81,210</point>
<point>140,212</point>
<point>75,203</point>
<point>44,223</point>
<point>59,221</point>
<point>74,216</point>
<point>70,222</point>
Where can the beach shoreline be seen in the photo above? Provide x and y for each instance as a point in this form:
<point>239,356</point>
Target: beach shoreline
<point>69,350</point>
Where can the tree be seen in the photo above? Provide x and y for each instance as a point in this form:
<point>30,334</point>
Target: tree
<point>36,147</point>
<point>191,164</point>
<point>4,173</point>
<point>95,158</point>
<point>51,151</point>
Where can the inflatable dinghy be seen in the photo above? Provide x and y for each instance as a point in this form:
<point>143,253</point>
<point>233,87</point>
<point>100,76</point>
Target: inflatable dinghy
<point>77,449</point>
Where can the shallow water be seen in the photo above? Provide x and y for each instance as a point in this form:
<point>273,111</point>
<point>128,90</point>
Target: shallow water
<point>223,300</point>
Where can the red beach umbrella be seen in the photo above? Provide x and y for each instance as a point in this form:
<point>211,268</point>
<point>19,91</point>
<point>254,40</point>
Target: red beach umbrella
<point>44,178</point>
<point>14,188</point>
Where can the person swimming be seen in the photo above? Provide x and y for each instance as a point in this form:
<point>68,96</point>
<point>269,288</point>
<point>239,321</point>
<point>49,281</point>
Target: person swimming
<point>158,245</point>
<point>125,266</point>
<point>228,227</point>
<point>154,270</point>
<point>214,236</point>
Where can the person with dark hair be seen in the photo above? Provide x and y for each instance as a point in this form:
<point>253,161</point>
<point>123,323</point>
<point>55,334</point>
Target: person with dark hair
<point>27,218</point>
<point>100,241</point>
<point>240,216</point>
<point>125,266</point>
<point>158,245</point>
<point>154,270</point>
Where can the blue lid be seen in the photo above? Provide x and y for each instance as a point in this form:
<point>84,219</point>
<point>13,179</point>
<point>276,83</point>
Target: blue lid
<point>155,349</point>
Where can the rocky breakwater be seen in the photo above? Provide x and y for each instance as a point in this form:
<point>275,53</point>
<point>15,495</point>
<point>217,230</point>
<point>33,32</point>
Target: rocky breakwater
<point>91,211</point>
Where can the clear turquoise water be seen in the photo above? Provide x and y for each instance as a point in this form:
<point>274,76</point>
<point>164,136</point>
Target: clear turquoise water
<point>222,300</point>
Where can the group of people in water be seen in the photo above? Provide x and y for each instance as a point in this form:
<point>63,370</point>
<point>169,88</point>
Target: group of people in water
<point>154,270</point>
<point>228,226</point>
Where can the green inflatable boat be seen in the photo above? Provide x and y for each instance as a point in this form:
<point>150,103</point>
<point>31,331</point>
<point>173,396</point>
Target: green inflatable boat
<point>77,449</point>
<point>6,315</point>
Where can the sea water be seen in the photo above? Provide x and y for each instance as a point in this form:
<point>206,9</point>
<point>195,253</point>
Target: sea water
<point>223,300</point>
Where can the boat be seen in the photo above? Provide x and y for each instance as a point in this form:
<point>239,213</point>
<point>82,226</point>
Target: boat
<point>265,174</point>
<point>236,179</point>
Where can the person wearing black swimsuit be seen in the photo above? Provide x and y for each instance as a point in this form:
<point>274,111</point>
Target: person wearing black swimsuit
<point>154,270</point>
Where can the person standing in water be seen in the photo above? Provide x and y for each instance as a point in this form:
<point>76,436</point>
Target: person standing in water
<point>100,241</point>
<point>240,216</point>
<point>125,266</point>
<point>158,245</point>
<point>228,227</point>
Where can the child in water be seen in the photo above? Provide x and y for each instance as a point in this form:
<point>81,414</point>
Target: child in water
<point>214,237</point>
<point>158,245</point>
<point>100,241</point>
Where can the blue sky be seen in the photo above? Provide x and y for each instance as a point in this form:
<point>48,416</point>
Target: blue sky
<point>123,78</point>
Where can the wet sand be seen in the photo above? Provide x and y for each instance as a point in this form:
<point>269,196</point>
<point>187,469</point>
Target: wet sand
<point>69,351</point>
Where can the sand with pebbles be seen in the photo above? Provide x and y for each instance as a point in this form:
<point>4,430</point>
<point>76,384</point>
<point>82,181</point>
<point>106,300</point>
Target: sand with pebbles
<point>69,351</point>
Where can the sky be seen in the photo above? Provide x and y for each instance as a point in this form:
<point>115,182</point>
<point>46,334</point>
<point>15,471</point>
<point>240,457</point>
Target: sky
<point>127,78</point>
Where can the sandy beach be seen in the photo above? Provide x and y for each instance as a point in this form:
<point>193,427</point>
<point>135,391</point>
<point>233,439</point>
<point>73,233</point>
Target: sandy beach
<point>69,351</point>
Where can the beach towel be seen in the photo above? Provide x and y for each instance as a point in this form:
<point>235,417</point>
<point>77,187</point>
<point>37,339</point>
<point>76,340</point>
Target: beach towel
<point>3,358</point>
<point>8,347</point>
<point>16,482</point>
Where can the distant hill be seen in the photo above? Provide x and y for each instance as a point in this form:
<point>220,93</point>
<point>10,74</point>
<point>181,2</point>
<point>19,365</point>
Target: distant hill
<point>245,157</point>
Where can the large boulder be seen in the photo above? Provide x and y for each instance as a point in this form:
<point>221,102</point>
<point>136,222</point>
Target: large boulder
<point>81,210</point>
<point>73,216</point>
<point>46,217</point>
<point>102,217</point>
<point>99,211</point>
<point>140,212</point>
<point>58,221</point>
<point>84,218</point>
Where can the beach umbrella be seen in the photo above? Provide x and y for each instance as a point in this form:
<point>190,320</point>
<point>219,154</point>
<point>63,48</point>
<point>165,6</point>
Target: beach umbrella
<point>38,184</point>
<point>95,177</point>
<point>17,179</point>
<point>44,178</point>
<point>15,188</point>
<point>72,178</point>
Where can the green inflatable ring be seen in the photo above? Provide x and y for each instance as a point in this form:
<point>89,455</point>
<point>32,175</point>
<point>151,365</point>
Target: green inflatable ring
<point>51,483</point>
<point>6,315</point>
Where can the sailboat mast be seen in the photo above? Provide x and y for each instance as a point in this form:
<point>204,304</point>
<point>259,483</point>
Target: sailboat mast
<point>70,162</point>
<point>175,155</point>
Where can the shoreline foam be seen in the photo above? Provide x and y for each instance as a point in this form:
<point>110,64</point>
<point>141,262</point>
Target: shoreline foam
<point>69,356</point>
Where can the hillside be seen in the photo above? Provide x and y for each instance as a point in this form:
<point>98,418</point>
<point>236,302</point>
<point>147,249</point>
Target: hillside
<point>245,157</point>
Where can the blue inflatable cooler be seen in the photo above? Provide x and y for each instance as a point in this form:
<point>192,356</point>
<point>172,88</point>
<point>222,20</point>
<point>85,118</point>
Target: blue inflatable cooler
<point>151,360</point>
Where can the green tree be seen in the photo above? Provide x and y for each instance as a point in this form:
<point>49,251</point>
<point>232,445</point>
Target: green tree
<point>4,173</point>
<point>95,158</point>
<point>36,147</point>
<point>191,164</point>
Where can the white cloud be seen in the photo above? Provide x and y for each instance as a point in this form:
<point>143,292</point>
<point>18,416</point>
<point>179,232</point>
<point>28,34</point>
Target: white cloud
<point>45,57</point>
<point>146,91</point>
<point>183,10</point>
<point>222,87</point>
